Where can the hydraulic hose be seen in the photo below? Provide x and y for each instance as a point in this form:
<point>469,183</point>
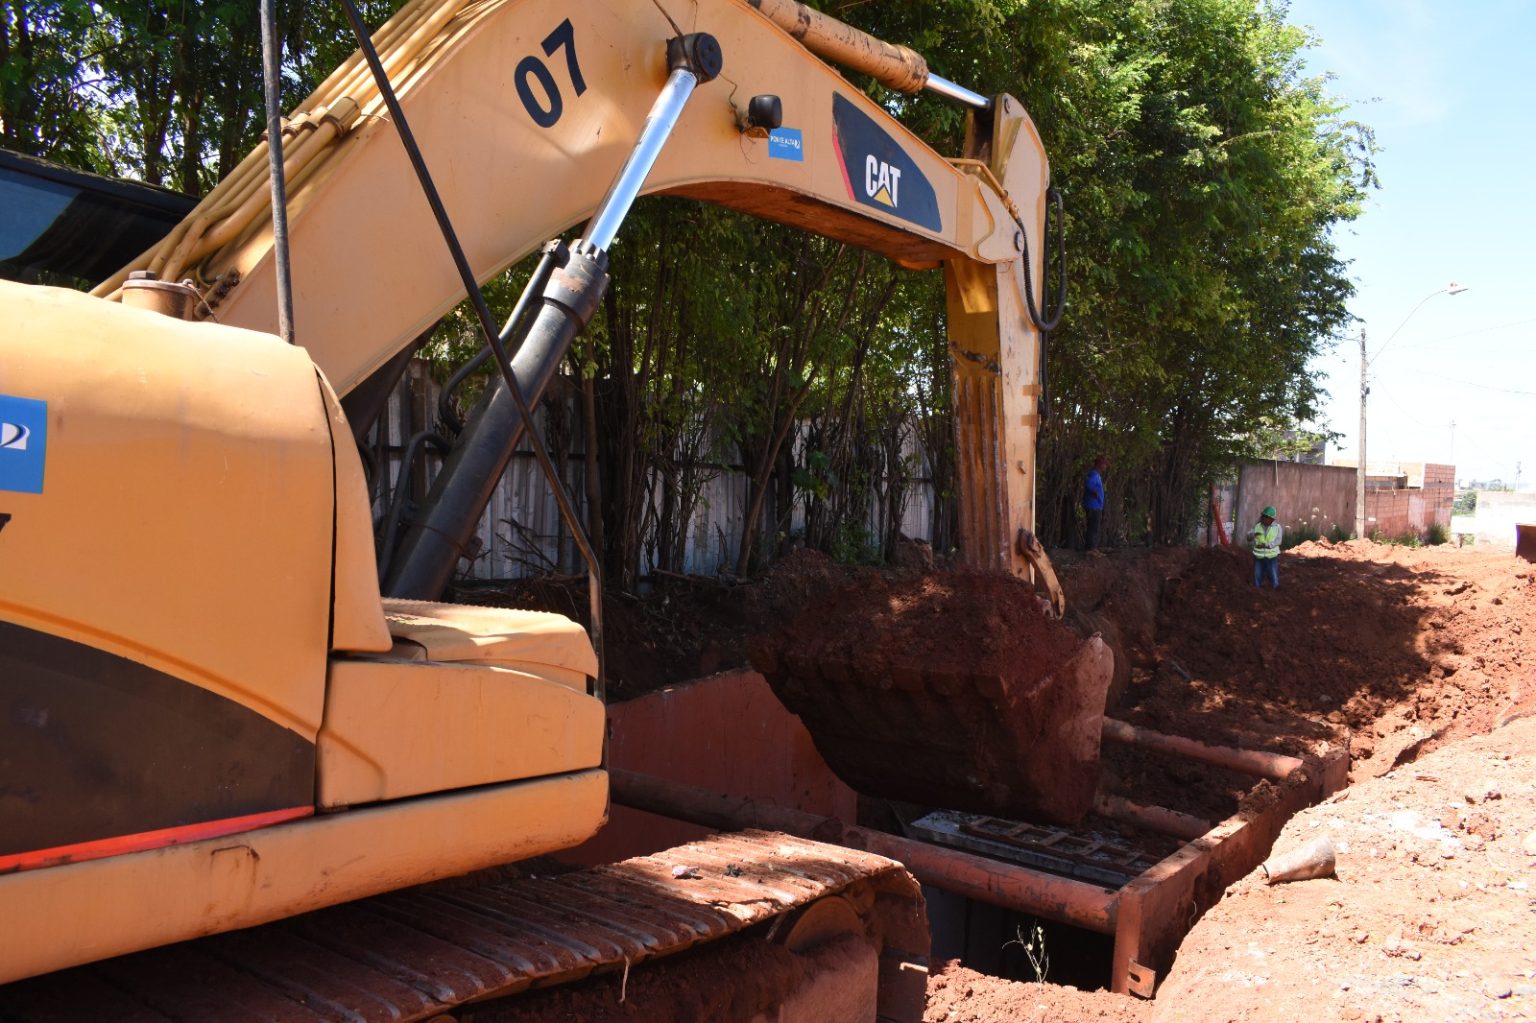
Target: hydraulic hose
<point>396,507</point>
<point>511,332</point>
<point>1053,198</point>
<point>1059,300</point>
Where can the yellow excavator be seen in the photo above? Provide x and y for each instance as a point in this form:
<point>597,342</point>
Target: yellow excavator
<point>217,714</point>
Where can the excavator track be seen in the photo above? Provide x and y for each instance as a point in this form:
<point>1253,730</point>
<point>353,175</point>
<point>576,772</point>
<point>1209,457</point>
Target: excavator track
<point>417,954</point>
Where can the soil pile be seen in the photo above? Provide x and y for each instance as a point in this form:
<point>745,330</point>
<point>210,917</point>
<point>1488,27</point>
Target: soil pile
<point>960,995</point>
<point>1393,649</point>
<point>953,689</point>
<point>1417,658</point>
<point>1430,916</point>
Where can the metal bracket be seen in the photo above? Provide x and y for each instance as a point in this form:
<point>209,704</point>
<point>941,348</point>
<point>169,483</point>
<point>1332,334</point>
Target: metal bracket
<point>1142,979</point>
<point>1029,546</point>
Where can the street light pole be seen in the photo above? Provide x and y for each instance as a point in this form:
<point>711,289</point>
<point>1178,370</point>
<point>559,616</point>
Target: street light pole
<point>1450,289</point>
<point>1360,472</point>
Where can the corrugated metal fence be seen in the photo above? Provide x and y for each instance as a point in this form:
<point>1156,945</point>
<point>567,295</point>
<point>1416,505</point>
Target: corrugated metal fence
<point>521,532</point>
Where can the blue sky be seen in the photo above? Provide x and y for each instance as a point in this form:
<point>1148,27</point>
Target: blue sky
<point>1448,89</point>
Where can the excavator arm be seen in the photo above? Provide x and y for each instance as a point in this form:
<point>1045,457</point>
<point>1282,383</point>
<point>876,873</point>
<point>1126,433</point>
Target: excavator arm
<point>525,110</point>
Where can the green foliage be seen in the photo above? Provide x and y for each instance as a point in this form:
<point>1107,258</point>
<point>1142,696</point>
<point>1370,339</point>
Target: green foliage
<point>1465,503</point>
<point>1407,539</point>
<point>1437,534</point>
<point>853,545</point>
<point>1298,535</point>
<point>1338,534</point>
<point>168,93</point>
<point>1205,173</point>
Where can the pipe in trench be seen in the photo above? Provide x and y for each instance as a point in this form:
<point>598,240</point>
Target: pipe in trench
<point>1182,826</point>
<point>1274,766</point>
<point>999,884</point>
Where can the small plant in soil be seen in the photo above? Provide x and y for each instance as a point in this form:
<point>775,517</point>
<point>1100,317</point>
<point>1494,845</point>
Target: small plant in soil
<point>1034,949</point>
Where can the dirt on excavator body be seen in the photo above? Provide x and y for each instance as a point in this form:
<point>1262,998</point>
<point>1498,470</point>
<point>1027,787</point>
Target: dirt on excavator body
<point>953,689</point>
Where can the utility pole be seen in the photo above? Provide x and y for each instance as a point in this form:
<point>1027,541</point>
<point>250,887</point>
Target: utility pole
<point>1450,289</point>
<point>1360,473</point>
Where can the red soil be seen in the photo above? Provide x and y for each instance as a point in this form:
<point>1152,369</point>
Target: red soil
<point>1418,659</point>
<point>953,689</point>
<point>960,995</point>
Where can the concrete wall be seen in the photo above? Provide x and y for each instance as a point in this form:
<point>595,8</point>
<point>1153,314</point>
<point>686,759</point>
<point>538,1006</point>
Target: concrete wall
<point>1498,511</point>
<point>539,542</point>
<point>1313,496</point>
<point>1322,496</point>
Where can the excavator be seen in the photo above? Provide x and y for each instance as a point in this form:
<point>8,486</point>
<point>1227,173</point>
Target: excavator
<point>219,715</point>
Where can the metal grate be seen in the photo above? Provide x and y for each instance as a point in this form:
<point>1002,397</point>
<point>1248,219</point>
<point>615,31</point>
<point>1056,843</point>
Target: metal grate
<point>1089,855</point>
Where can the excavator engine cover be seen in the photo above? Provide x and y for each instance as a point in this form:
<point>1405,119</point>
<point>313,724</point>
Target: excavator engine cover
<point>957,690</point>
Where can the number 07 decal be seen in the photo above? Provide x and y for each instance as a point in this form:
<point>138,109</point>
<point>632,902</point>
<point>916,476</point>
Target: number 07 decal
<point>546,109</point>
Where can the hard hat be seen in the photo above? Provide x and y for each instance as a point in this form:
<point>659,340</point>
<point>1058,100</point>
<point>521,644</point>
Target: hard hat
<point>1268,512</point>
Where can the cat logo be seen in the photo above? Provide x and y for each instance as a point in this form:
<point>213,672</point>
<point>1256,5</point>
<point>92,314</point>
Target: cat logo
<point>13,436</point>
<point>878,172</point>
<point>882,182</point>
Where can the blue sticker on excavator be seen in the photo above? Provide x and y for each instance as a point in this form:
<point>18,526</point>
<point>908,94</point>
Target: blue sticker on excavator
<point>786,144</point>
<point>23,443</point>
<point>878,172</point>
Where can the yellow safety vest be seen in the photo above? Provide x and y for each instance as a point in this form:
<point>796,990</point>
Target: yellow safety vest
<point>1266,542</point>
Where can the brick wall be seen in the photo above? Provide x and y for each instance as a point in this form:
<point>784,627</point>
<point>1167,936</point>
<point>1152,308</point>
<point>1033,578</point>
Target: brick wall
<point>1397,511</point>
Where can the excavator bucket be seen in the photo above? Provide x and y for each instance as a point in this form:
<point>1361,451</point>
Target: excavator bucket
<point>951,689</point>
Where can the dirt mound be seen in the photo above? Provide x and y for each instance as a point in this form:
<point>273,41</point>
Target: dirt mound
<point>1385,647</point>
<point>684,627</point>
<point>960,995</point>
<point>1427,918</point>
<point>953,689</point>
<point>1396,651</point>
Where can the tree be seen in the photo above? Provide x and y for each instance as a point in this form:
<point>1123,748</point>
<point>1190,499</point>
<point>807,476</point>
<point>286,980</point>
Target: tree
<point>1204,172</point>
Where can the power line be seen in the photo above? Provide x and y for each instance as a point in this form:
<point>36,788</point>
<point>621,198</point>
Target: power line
<point>1468,333</point>
<point>1486,387</point>
<point>1388,395</point>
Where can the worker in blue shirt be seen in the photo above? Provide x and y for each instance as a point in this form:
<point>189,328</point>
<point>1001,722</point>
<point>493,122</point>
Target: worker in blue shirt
<point>1093,501</point>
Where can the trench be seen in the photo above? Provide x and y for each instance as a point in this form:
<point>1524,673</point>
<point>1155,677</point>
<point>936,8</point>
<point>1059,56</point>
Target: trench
<point>1108,901</point>
<point>1233,808</point>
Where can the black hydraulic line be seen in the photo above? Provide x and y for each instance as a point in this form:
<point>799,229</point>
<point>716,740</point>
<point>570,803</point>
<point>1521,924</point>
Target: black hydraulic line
<point>550,254</point>
<point>1043,404</point>
<point>396,506</point>
<point>429,549</point>
<point>488,328</point>
<point>446,413</point>
<point>271,82</point>
<point>1053,196</point>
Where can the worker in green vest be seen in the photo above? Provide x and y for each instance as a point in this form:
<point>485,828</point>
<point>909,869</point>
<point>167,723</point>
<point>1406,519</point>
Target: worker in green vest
<point>1266,549</point>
